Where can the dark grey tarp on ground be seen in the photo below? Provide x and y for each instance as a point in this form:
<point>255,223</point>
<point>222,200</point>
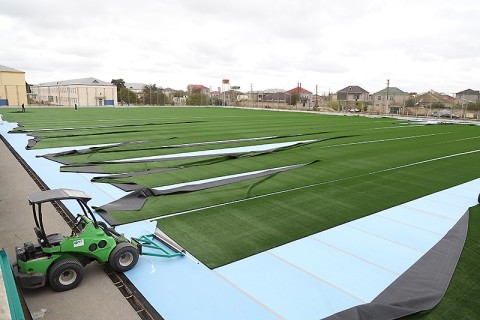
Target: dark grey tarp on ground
<point>53,156</point>
<point>85,169</point>
<point>32,142</point>
<point>421,287</point>
<point>136,199</point>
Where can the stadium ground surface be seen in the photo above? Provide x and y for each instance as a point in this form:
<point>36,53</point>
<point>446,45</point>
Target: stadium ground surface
<point>344,168</point>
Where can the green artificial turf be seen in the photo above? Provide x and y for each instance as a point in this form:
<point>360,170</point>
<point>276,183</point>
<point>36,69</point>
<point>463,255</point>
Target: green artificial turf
<point>359,166</point>
<point>224,234</point>
<point>461,299</point>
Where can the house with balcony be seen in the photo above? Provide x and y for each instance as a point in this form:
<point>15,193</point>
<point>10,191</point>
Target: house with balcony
<point>352,97</point>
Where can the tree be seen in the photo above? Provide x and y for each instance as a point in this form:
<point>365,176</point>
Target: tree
<point>474,106</point>
<point>333,104</point>
<point>198,99</point>
<point>294,98</point>
<point>127,96</point>
<point>410,103</point>
<point>179,94</point>
<point>216,101</point>
<point>120,83</point>
<point>153,95</point>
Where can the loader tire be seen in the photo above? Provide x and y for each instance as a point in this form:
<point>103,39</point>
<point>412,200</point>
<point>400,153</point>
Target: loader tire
<point>123,257</point>
<point>65,274</point>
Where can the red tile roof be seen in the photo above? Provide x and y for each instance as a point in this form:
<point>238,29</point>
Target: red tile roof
<point>196,86</point>
<point>299,90</point>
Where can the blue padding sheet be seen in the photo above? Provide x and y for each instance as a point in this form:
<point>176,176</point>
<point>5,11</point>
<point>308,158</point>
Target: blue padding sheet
<point>419,219</point>
<point>333,267</point>
<point>181,288</point>
<point>285,289</point>
<point>403,234</point>
<point>375,250</point>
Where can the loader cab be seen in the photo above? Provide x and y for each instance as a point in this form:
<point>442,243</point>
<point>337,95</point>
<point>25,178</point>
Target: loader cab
<point>37,199</point>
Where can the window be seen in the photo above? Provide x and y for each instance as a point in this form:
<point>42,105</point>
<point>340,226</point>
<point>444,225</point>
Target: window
<point>379,98</point>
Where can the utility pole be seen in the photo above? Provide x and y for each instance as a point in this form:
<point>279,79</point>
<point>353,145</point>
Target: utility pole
<point>251,95</point>
<point>298,93</point>
<point>388,87</point>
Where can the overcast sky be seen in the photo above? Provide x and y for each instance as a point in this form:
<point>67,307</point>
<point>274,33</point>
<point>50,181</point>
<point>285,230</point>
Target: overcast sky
<point>418,44</point>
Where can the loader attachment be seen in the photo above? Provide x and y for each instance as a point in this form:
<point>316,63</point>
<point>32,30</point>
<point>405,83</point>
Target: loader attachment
<point>152,245</point>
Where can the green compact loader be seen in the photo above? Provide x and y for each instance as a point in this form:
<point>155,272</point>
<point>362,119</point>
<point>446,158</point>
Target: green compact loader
<point>60,259</point>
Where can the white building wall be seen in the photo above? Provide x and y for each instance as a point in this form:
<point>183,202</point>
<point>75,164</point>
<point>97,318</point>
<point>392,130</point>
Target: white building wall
<point>81,95</point>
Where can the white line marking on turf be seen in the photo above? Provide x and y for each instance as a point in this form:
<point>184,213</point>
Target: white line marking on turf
<point>312,185</point>
<point>213,152</point>
<point>383,140</point>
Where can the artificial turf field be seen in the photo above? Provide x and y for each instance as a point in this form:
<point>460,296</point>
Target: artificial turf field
<point>354,166</point>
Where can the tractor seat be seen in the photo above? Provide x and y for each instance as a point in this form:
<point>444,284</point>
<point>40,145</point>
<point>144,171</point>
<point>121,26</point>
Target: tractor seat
<point>54,239</point>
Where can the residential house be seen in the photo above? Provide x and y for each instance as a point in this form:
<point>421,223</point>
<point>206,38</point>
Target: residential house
<point>468,95</point>
<point>13,90</point>
<point>425,103</point>
<point>82,92</point>
<point>197,88</point>
<point>353,96</point>
<point>272,95</point>
<point>275,97</point>
<point>431,97</point>
<point>135,87</point>
<point>169,92</point>
<point>305,95</point>
<point>392,98</point>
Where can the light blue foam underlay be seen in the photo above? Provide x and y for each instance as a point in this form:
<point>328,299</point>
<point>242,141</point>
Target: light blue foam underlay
<point>289,292</point>
<point>310,278</point>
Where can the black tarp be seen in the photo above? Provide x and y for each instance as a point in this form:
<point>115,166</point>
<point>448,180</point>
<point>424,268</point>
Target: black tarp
<point>136,199</point>
<point>421,287</point>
